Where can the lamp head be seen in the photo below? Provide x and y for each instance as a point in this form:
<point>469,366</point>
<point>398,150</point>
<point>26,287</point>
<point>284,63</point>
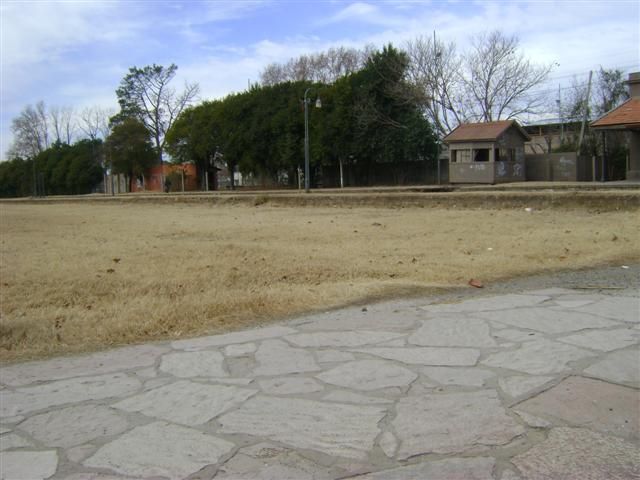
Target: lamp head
<point>318,103</point>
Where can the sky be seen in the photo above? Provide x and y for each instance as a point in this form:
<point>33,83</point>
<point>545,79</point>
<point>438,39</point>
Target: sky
<point>74,53</point>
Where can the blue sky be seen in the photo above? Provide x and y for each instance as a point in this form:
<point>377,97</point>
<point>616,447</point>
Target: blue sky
<point>74,53</point>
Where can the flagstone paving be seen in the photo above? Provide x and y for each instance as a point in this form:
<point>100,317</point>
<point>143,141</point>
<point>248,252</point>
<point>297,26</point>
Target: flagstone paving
<point>534,384</point>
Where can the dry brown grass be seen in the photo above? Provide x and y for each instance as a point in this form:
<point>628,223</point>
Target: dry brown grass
<point>84,276</point>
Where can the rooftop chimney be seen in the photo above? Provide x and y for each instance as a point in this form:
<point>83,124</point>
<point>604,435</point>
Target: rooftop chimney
<point>634,85</point>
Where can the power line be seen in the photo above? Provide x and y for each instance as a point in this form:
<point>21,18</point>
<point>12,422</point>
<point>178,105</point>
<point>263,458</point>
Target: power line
<point>586,73</point>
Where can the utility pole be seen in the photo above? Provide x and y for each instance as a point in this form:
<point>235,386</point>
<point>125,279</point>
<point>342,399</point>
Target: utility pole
<point>586,111</point>
<point>559,101</point>
<point>437,55</point>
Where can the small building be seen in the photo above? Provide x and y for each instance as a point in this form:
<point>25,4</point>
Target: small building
<point>490,152</point>
<point>626,117</point>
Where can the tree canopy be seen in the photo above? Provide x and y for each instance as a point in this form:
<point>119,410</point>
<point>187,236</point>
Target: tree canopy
<point>368,116</point>
<point>146,95</point>
<point>129,148</point>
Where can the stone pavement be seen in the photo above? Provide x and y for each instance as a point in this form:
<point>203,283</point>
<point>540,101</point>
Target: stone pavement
<point>536,385</point>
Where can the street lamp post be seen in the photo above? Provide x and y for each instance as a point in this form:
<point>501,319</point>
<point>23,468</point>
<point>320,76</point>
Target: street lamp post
<point>306,136</point>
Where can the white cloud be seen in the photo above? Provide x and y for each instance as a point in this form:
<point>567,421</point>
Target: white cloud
<point>75,53</point>
<point>44,31</point>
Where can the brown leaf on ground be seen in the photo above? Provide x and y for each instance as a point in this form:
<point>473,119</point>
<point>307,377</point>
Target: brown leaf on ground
<point>476,283</point>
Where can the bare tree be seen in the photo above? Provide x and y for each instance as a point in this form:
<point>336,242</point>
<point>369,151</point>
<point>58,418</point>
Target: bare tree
<point>94,122</point>
<point>31,131</point>
<point>325,67</point>
<point>610,90</point>
<point>434,70</point>
<point>63,124</point>
<point>493,81</point>
<point>499,78</point>
<point>145,94</point>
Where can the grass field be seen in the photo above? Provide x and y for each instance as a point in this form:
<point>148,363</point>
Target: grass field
<point>78,277</point>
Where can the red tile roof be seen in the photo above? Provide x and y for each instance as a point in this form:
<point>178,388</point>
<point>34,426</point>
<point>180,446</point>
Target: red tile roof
<point>487,131</point>
<point>626,115</point>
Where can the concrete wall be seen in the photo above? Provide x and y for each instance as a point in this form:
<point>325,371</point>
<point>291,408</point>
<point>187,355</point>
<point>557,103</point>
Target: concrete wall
<point>116,184</point>
<point>633,170</point>
<point>509,172</point>
<point>478,172</point>
<point>558,167</point>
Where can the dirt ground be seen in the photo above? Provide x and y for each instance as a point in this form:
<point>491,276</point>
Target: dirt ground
<point>84,276</point>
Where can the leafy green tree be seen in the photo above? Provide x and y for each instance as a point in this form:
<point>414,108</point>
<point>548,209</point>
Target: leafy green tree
<point>195,135</point>
<point>369,117</point>
<point>16,178</point>
<point>84,170</point>
<point>129,148</point>
<point>375,117</point>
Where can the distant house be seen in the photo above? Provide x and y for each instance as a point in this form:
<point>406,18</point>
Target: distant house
<point>549,136</point>
<point>179,176</point>
<point>490,152</point>
<point>626,117</point>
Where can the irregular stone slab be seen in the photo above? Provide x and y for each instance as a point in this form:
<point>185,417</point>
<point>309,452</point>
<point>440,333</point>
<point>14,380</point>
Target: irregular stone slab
<point>398,342</point>
<point>501,302</point>
<point>453,332</point>
<point>194,364</point>
<point>427,355</point>
<point>79,453</point>
<point>591,403</point>
<point>185,402</point>
<point>7,442</point>
<point>571,302</point>
<point>30,399</point>
<point>240,350</point>
<point>350,397</point>
<point>147,373</point>
<point>554,292</point>
<point>388,443</point>
<point>533,420</point>
<point>604,340</point>
<point>332,428</point>
<point>74,425</point>
<point>368,375</point>
<point>160,449</point>
<point>243,336</point>
<point>157,382</point>
<point>340,339</point>
<point>518,385</point>
<point>452,423</point>
<point>4,430</point>
<point>518,335</point>
<point>231,381</point>
<point>357,320</point>
<point>327,356</point>
<point>99,476</point>
<point>422,387</point>
<point>510,475</point>
<point>548,320</point>
<point>626,309</point>
<point>85,365</point>
<point>12,420</point>
<point>538,358</point>
<point>267,461</point>
<point>28,465</point>
<point>275,357</point>
<point>469,377</point>
<point>618,367</point>
<point>581,454</point>
<point>287,386</point>
<point>480,468</point>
